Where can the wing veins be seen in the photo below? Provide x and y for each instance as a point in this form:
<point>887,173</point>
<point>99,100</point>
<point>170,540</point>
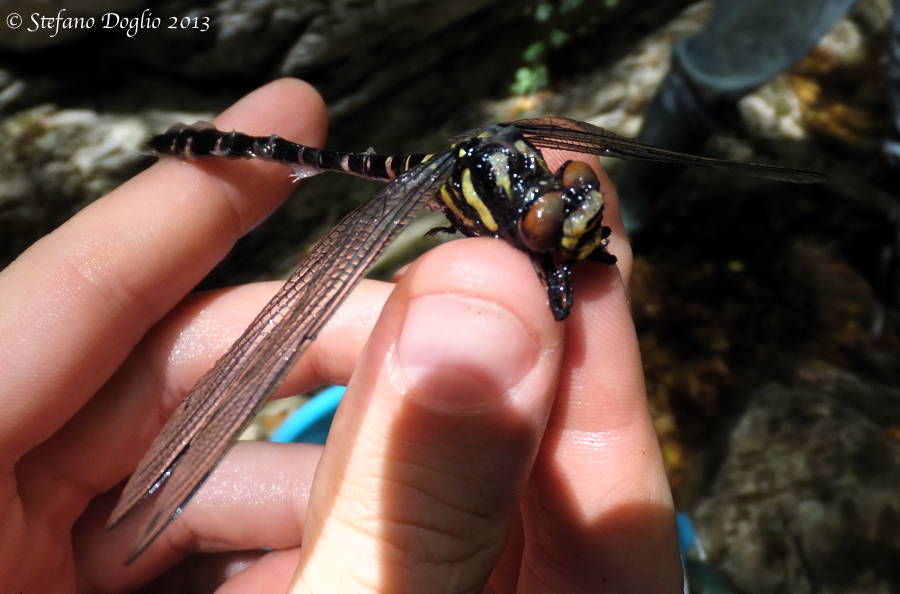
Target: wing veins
<point>212,415</point>
<point>572,135</point>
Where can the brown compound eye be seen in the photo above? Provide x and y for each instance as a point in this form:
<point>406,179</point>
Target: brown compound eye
<point>578,174</point>
<point>541,227</point>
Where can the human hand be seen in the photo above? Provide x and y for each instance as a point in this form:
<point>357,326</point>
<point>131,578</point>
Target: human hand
<point>471,450</point>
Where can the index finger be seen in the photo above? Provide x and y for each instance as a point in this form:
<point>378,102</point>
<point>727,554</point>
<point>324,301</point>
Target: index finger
<point>599,503</point>
<point>77,301</point>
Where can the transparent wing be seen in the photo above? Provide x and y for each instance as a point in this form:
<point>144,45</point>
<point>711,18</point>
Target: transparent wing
<point>572,135</point>
<point>224,400</point>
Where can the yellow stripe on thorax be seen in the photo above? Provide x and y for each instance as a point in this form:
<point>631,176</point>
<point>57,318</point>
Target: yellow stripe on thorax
<point>451,204</point>
<point>500,167</point>
<point>475,201</point>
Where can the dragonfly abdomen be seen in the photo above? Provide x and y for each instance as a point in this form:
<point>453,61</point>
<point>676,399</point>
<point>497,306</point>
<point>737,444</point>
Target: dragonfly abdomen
<point>202,139</point>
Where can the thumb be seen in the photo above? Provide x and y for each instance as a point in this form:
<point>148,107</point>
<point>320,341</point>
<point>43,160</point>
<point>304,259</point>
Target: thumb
<point>437,434</point>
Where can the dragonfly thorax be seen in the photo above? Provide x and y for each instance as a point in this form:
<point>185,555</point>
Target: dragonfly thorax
<point>493,175</point>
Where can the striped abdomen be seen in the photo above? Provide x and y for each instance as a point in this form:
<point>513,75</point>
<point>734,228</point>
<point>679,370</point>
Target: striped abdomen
<point>203,140</point>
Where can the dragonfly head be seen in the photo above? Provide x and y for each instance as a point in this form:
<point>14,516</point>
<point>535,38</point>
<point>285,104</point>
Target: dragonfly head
<point>556,217</point>
<point>565,218</point>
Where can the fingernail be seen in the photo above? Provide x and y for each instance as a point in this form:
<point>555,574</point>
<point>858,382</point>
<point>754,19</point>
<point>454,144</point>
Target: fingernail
<point>461,352</point>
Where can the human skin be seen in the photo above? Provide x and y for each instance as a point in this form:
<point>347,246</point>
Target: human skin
<point>481,446</point>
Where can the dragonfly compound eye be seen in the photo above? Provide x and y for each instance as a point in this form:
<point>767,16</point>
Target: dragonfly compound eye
<point>578,174</point>
<point>541,225</point>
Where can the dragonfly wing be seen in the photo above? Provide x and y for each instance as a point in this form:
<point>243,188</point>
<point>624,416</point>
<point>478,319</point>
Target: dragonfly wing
<point>219,406</point>
<point>572,135</point>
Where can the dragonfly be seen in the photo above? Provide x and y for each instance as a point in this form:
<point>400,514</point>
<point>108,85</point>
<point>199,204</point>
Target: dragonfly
<point>493,182</point>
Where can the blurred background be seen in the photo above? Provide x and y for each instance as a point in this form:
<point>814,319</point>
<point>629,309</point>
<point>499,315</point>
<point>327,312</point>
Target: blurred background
<point>767,313</point>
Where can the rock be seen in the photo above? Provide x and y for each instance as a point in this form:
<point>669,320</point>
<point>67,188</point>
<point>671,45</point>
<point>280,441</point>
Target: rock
<point>807,499</point>
<point>55,161</point>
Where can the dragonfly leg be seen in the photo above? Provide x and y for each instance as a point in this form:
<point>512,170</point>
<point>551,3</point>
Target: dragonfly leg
<point>450,229</point>
<point>558,280</point>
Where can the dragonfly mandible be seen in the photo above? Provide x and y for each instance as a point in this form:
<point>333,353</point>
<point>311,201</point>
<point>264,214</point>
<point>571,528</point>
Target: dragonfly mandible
<point>491,183</point>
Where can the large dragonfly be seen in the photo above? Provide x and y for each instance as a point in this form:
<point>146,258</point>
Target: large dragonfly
<point>493,183</point>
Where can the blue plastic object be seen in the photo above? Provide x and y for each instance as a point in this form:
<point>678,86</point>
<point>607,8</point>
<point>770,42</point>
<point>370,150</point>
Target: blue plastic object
<point>310,423</point>
<point>687,535</point>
